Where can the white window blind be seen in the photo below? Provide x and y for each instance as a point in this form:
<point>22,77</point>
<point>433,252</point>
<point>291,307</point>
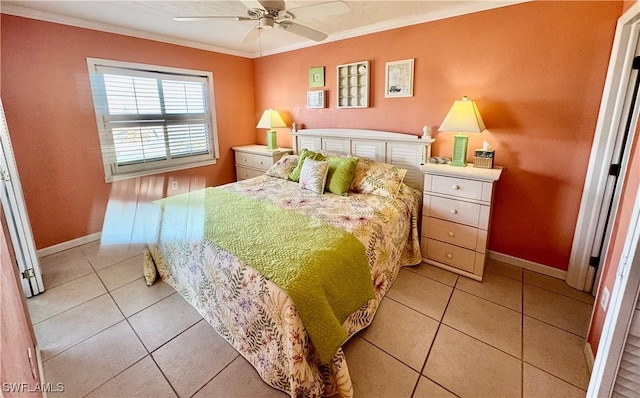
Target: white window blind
<point>152,119</point>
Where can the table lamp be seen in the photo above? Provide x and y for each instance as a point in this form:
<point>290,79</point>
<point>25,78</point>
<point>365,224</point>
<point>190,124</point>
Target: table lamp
<point>271,119</point>
<point>463,117</point>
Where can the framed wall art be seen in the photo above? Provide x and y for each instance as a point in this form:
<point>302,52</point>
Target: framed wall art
<point>316,76</point>
<point>398,80</point>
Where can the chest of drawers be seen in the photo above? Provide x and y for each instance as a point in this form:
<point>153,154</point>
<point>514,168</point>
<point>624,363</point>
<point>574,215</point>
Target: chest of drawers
<point>456,215</point>
<point>253,160</point>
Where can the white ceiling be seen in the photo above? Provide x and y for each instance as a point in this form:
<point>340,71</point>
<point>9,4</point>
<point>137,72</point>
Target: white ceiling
<point>154,20</point>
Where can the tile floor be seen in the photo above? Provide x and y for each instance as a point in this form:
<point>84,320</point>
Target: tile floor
<point>104,333</point>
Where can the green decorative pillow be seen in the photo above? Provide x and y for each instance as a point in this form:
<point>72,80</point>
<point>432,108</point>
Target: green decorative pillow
<point>313,175</point>
<point>377,178</point>
<point>283,167</point>
<point>295,173</point>
<point>341,172</point>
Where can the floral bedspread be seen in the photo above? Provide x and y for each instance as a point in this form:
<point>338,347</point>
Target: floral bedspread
<point>257,317</point>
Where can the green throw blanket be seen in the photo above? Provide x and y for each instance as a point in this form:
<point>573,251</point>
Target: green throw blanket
<point>323,268</point>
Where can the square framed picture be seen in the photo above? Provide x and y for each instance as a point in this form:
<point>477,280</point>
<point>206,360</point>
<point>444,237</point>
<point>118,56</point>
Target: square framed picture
<point>316,76</point>
<point>398,80</point>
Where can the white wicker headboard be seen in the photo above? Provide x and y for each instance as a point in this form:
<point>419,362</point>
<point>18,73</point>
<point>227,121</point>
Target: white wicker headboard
<point>403,150</point>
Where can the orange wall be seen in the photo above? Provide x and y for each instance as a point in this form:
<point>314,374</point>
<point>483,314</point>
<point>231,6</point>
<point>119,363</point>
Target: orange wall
<point>49,110</point>
<point>618,238</point>
<point>537,73</point>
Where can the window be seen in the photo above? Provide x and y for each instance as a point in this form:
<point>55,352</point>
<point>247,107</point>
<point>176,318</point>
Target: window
<point>152,119</point>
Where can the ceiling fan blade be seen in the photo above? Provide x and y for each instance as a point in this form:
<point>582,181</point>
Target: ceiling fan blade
<point>320,10</point>
<point>209,17</point>
<point>250,36</point>
<point>302,30</point>
<point>272,4</point>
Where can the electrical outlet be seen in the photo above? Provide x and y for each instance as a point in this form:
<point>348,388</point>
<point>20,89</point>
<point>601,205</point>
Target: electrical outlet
<point>174,185</point>
<point>604,300</point>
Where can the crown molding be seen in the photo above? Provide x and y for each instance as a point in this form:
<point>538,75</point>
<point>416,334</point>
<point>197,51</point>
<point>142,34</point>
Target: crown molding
<point>463,9</point>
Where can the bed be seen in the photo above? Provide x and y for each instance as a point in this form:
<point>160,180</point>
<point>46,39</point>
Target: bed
<point>293,345</point>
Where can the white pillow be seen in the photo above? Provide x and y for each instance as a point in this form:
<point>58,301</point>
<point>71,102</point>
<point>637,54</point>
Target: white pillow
<point>313,175</point>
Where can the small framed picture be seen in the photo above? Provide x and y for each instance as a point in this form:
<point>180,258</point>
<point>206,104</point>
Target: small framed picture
<point>316,76</point>
<point>399,79</point>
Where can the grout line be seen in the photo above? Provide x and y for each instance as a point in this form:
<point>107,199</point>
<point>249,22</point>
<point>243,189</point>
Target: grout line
<point>553,375</point>
<point>435,336</point>
<point>218,374</point>
<point>118,374</point>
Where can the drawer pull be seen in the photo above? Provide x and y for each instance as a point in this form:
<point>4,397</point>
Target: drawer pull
<point>451,234</point>
<point>455,187</point>
<point>449,256</point>
<point>453,211</point>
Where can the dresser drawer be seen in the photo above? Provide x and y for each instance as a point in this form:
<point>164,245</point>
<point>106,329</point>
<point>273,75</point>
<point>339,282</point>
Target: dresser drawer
<point>458,211</point>
<point>457,234</point>
<point>243,173</point>
<point>253,160</point>
<point>451,186</point>
<point>452,255</point>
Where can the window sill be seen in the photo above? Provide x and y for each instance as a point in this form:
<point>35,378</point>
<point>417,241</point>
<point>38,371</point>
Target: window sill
<point>120,177</point>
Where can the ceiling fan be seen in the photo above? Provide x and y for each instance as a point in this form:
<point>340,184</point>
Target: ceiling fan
<point>274,13</point>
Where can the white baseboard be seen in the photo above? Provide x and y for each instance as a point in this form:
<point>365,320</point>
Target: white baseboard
<point>69,244</point>
<point>588,356</point>
<point>530,265</point>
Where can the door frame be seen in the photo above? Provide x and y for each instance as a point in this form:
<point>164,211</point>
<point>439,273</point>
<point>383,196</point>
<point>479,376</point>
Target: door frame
<point>624,297</point>
<point>609,126</point>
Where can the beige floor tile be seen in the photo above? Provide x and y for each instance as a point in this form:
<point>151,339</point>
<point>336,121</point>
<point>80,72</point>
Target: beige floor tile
<point>402,332</point>
<point>556,285</point>
<point>491,323</point>
<point>540,384</point>
<point>69,328</point>
<point>143,379</point>
<point>495,288</point>
<point>239,380</point>
<point>162,321</point>
<point>63,267</point>
<point>376,374</point>
<point>470,368</point>
<point>504,269</point>
<point>61,298</point>
<point>103,255</point>
<point>555,351</point>
<point>428,389</point>
<point>121,273</point>
<point>193,358</point>
<point>96,360</point>
<point>136,296</point>
<point>420,293</point>
<point>435,273</point>
<point>557,310</point>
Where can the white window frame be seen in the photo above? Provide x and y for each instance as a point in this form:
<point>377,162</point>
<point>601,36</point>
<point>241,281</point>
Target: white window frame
<point>113,173</point>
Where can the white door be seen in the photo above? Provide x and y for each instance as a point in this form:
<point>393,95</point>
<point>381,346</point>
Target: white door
<point>15,210</point>
<point>616,370</point>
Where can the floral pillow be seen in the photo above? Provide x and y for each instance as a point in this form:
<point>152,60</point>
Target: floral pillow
<point>283,167</point>
<point>295,173</point>
<point>313,175</point>
<point>377,178</point>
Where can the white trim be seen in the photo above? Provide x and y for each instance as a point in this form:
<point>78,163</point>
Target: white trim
<point>45,393</point>
<point>463,9</point>
<point>526,264</point>
<point>70,244</point>
<point>588,356</point>
<point>609,119</point>
<point>624,296</point>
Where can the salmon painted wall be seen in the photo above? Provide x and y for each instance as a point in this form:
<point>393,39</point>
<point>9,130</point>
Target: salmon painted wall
<point>618,238</point>
<point>536,71</point>
<point>49,110</point>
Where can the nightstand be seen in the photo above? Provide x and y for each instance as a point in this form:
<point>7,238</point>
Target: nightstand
<point>254,160</point>
<point>456,214</point>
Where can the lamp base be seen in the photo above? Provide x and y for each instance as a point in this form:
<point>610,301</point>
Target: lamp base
<point>272,139</point>
<point>459,157</point>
